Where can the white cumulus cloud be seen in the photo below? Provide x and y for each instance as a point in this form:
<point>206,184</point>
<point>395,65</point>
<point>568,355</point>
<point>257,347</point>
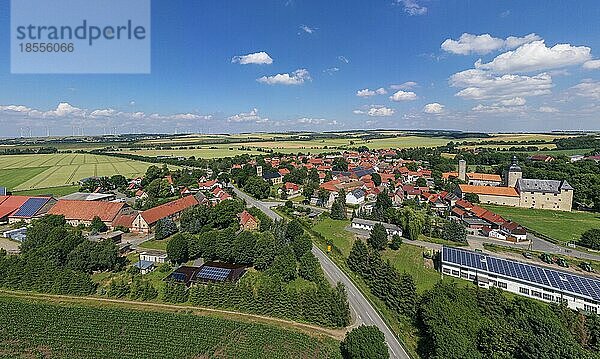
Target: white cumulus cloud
<point>297,77</point>
<point>403,96</point>
<point>587,88</point>
<point>405,86</point>
<point>484,44</point>
<point>433,108</point>
<point>592,65</point>
<point>481,85</point>
<point>251,116</point>
<point>536,56</point>
<point>259,58</point>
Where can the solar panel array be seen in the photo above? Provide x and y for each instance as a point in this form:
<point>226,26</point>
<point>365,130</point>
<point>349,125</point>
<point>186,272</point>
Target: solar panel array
<point>213,273</point>
<point>180,277</point>
<point>558,280</point>
<point>30,207</point>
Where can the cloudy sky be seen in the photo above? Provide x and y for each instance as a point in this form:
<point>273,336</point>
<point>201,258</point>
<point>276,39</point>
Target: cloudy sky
<point>234,66</point>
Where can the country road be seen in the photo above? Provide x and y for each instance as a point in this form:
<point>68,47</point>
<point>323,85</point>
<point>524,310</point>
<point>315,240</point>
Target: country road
<point>363,311</point>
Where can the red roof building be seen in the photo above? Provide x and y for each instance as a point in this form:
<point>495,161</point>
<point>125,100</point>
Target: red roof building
<point>83,212</point>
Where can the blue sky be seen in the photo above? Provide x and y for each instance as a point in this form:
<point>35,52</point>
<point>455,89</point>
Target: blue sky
<point>406,64</point>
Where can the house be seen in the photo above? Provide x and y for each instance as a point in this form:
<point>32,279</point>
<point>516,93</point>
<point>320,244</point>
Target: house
<point>153,256</point>
<point>9,205</point>
<point>541,158</point>
<point>513,230</point>
<point>148,218</point>
<point>367,225</point>
<point>34,207</point>
<point>83,212</point>
<point>248,222</point>
<point>274,177</point>
<point>145,267</point>
<point>209,185</point>
<point>355,197</point>
<point>291,189</point>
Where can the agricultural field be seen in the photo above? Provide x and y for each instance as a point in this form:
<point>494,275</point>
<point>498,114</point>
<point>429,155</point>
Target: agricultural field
<point>41,328</point>
<point>561,226</point>
<point>53,191</point>
<point>30,172</point>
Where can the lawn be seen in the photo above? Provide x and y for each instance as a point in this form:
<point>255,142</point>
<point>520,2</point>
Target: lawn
<point>409,259</point>
<point>41,328</point>
<point>154,244</point>
<point>28,172</point>
<point>561,226</point>
<point>335,230</point>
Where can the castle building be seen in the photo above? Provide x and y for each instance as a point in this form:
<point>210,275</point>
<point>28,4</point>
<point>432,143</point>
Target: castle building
<point>521,192</point>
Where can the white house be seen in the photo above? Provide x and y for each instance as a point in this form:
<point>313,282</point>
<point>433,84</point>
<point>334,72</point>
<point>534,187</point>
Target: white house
<point>367,225</point>
<point>355,197</point>
<point>153,256</point>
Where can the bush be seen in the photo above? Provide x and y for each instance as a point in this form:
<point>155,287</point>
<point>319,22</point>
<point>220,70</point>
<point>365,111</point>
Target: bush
<point>364,342</point>
<point>165,228</point>
<point>591,239</point>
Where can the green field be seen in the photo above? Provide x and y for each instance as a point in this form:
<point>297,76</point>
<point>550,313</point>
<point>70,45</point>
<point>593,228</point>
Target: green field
<point>53,191</point>
<point>335,230</point>
<point>561,226</point>
<point>36,328</point>
<point>409,259</point>
<point>26,172</point>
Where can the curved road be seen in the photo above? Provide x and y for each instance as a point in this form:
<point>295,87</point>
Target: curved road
<point>363,311</point>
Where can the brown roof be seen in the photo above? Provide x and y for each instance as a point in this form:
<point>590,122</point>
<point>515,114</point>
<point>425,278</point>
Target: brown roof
<point>9,204</point>
<point>484,177</point>
<point>152,215</point>
<point>489,190</point>
<point>245,216</point>
<point>87,210</point>
<point>125,220</point>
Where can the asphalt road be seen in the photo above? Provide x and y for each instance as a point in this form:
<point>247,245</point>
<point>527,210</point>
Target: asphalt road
<point>362,311</point>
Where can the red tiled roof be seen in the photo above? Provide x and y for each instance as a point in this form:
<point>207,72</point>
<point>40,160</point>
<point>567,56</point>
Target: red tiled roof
<point>489,190</point>
<point>125,220</point>
<point>87,210</point>
<point>245,216</point>
<point>9,204</point>
<point>152,215</point>
<point>284,171</point>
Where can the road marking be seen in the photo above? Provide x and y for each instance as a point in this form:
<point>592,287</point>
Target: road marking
<point>367,313</point>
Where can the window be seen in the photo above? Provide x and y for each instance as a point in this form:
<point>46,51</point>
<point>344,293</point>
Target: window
<point>493,282</point>
<point>590,308</point>
<point>464,275</point>
<point>455,272</point>
<point>446,270</point>
<point>547,297</point>
<point>502,285</point>
<point>523,290</point>
<point>471,277</point>
<point>536,294</point>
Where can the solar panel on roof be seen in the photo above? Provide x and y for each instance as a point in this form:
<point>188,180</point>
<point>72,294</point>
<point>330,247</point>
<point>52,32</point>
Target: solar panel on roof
<point>180,277</point>
<point>213,273</point>
<point>30,207</point>
<point>572,283</point>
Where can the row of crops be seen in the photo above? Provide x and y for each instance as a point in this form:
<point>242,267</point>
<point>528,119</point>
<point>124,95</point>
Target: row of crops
<point>38,328</point>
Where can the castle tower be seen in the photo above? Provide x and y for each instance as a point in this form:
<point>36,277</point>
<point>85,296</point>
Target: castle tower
<point>259,171</point>
<point>514,173</point>
<point>462,170</point>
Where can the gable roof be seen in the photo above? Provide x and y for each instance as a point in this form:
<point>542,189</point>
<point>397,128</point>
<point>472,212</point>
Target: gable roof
<point>10,204</point>
<point>538,185</point>
<point>155,214</point>
<point>489,190</point>
<point>32,207</point>
<point>245,216</point>
<point>87,210</point>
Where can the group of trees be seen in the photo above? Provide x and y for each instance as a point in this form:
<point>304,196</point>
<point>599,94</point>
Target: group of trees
<point>590,239</point>
<point>56,258</point>
<point>364,342</point>
<point>397,291</point>
<point>338,208</point>
<point>468,322</point>
<point>281,254</point>
<point>105,183</point>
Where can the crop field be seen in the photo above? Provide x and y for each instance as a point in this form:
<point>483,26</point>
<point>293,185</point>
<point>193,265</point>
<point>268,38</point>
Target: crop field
<point>561,226</point>
<point>27,172</point>
<point>41,329</point>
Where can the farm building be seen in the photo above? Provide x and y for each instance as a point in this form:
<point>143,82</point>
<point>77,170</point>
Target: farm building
<point>83,196</point>
<point>210,272</point>
<point>367,225</point>
<point>545,284</point>
<point>34,207</point>
<point>83,212</point>
<point>10,205</point>
<point>147,219</point>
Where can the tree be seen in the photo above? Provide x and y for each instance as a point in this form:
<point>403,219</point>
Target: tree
<point>244,246</point>
<point>376,177</point>
<point>265,251</point>
<point>338,209</point>
<point>293,230</point>
<point>310,269</point>
<point>358,259</point>
<point>284,266</point>
<point>118,181</point>
<point>177,249</point>
<point>257,187</point>
<point>165,227</point>
<point>378,238</point>
<point>396,242</point>
<point>301,245</point>
<point>97,225</point>
<point>591,239</point>
<point>364,342</point>
<point>323,196</point>
<point>412,223</point>
<point>159,188</point>
<point>471,197</point>
<point>455,232</point>
<point>421,182</point>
